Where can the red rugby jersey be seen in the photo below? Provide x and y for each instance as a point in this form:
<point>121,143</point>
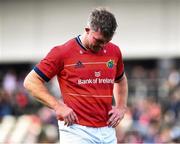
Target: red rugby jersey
<point>85,78</point>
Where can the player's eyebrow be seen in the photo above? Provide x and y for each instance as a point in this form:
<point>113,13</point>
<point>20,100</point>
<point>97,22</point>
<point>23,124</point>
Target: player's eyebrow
<point>100,40</point>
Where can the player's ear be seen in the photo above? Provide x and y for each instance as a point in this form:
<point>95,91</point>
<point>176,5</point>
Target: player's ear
<point>87,29</point>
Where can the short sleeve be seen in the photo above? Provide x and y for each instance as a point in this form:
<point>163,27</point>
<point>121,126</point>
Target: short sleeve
<point>120,66</point>
<point>51,65</point>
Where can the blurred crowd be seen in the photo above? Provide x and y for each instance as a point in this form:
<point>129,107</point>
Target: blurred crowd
<point>153,108</point>
<point>22,118</point>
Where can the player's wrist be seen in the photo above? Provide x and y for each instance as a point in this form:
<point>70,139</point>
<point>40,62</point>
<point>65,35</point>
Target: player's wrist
<point>57,106</point>
<point>123,108</point>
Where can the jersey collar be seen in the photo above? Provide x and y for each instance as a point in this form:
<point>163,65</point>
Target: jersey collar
<point>80,43</point>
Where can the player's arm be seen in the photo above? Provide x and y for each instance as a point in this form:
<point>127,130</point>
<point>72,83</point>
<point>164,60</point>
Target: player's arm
<point>120,92</point>
<point>36,86</point>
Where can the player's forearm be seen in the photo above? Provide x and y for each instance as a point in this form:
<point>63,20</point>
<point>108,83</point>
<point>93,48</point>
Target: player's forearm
<point>121,93</point>
<point>37,89</point>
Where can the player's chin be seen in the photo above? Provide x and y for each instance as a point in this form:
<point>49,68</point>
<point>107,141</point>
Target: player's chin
<point>96,48</point>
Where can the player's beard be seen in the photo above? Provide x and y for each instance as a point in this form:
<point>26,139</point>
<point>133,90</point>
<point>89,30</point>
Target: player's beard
<point>95,48</point>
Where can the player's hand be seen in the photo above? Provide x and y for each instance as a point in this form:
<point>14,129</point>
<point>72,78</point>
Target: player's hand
<point>67,114</point>
<point>115,116</point>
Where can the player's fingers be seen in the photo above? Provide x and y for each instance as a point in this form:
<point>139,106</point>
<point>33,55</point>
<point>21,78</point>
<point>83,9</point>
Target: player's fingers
<point>72,117</point>
<point>110,112</point>
<point>76,118</point>
<point>112,117</point>
<point>69,123</point>
<point>65,121</point>
<point>116,123</point>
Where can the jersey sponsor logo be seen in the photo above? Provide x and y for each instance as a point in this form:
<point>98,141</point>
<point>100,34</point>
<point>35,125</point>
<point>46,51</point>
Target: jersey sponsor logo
<point>110,63</point>
<point>97,74</point>
<point>79,64</point>
<point>96,80</point>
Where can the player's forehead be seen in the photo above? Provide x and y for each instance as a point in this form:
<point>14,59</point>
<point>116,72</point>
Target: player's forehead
<point>99,36</point>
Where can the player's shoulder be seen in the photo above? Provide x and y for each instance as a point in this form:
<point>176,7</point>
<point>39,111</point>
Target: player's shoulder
<point>67,44</point>
<point>113,48</point>
<point>65,47</point>
<point>62,49</point>
<point>112,45</point>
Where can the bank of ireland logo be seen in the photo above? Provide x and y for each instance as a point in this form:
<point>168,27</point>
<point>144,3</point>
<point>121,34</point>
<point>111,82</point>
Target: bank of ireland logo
<point>110,63</point>
<point>97,74</point>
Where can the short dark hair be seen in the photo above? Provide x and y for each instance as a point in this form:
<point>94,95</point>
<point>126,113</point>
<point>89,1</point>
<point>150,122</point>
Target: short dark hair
<point>103,20</point>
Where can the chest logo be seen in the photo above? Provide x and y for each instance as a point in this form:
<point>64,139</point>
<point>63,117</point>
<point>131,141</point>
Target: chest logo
<point>97,74</point>
<point>79,64</point>
<point>110,63</point>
